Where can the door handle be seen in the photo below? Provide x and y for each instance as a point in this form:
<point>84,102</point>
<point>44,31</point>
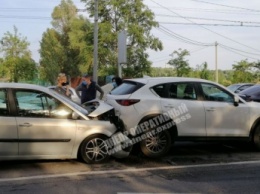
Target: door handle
<point>25,125</point>
<point>211,109</point>
<point>169,106</point>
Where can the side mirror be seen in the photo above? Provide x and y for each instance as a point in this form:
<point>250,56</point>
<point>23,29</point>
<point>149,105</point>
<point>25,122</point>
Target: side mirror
<point>75,116</point>
<point>236,100</point>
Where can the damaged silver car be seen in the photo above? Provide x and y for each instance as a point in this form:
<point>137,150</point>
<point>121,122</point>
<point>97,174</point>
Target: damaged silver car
<point>38,123</point>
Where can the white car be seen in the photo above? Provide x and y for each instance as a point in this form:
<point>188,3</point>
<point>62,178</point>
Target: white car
<point>39,123</point>
<point>175,108</point>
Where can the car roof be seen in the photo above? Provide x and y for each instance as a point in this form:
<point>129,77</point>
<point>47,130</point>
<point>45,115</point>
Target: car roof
<point>167,79</point>
<point>242,84</point>
<point>251,90</point>
<point>22,85</point>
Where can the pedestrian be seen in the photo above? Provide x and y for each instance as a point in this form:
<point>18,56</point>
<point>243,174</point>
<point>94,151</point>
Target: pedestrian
<point>63,85</point>
<point>116,81</point>
<point>88,89</point>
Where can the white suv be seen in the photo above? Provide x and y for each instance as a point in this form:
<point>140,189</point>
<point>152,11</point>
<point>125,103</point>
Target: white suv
<point>177,108</point>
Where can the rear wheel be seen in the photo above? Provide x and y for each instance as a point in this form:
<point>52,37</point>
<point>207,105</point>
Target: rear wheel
<point>256,138</point>
<point>94,150</point>
<point>156,145</point>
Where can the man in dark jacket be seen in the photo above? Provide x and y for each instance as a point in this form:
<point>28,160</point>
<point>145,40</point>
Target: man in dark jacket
<point>88,89</point>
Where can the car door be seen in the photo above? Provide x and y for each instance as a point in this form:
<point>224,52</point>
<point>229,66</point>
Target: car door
<point>44,123</point>
<point>8,127</point>
<point>181,99</point>
<point>223,118</point>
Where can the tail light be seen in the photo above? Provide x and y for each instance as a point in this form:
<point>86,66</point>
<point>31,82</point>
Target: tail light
<point>127,102</point>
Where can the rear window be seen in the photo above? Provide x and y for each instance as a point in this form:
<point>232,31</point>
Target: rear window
<point>127,87</point>
<point>160,90</point>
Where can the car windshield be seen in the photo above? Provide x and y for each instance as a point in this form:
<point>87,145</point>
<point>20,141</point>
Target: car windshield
<point>233,87</point>
<point>253,90</point>
<point>127,87</point>
<point>70,102</point>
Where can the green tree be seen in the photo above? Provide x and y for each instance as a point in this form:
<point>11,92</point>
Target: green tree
<point>67,46</point>
<point>81,39</point>
<point>201,71</point>
<point>256,65</point>
<point>138,20</point>
<point>179,63</point>
<point>17,61</point>
<point>224,77</point>
<point>242,72</point>
<point>52,56</point>
<point>162,72</point>
<point>256,70</point>
<point>204,73</point>
<point>2,71</point>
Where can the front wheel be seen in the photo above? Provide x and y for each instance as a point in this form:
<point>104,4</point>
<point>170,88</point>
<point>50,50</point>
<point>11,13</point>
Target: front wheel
<point>94,150</point>
<point>256,137</point>
<point>156,145</point>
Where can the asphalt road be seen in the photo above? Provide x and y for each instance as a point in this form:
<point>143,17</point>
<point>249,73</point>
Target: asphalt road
<point>189,168</point>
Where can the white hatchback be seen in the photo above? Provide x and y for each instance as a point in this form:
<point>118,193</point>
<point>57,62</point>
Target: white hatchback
<point>158,111</point>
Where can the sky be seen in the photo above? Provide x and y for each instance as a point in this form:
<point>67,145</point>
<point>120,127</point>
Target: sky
<point>194,25</point>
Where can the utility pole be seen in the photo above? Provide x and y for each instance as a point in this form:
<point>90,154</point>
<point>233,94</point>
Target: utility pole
<point>95,62</point>
<point>121,47</point>
<point>216,62</point>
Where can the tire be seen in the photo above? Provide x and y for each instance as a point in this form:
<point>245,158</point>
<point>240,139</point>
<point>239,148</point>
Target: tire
<point>93,149</point>
<point>256,137</point>
<point>157,145</point>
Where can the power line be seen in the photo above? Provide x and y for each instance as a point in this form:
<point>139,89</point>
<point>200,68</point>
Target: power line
<point>228,47</point>
<point>205,45</point>
<point>210,19</point>
<point>25,9</point>
<point>212,10</point>
<point>168,32</point>
<point>182,38</point>
<point>208,24</point>
<point>197,50</point>
<point>230,50</point>
<point>26,22</point>
<point>165,58</point>
<point>234,7</point>
<point>205,27</point>
<point>25,17</point>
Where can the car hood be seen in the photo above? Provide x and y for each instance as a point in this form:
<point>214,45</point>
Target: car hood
<point>254,104</point>
<point>97,107</point>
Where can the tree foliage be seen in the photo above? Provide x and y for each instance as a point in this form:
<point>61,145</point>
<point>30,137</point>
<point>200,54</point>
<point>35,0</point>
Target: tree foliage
<point>17,63</point>
<point>201,71</point>
<point>81,39</point>
<point>138,20</point>
<point>52,55</point>
<point>67,47</point>
<point>243,72</point>
<point>204,72</point>
<point>179,63</point>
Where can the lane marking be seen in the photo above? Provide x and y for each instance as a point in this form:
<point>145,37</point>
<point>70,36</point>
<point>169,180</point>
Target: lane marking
<point>128,170</point>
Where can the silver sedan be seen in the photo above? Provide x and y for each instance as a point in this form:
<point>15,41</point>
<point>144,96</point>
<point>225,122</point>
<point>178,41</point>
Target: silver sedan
<point>73,93</point>
<point>38,123</point>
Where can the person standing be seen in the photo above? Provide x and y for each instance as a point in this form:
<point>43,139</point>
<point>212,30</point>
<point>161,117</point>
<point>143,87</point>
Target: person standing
<point>63,85</point>
<point>88,89</point>
<point>116,81</point>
